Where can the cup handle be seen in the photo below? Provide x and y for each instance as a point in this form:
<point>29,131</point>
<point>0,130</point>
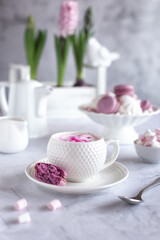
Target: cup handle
<point>115,152</point>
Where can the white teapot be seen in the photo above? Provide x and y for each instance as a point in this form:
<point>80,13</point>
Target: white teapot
<point>27,99</point>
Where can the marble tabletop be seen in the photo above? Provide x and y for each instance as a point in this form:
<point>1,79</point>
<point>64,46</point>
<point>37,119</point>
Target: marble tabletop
<point>101,215</point>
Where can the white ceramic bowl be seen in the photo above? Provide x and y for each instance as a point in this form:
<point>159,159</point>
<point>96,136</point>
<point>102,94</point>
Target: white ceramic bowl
<point>120,126</point>
<point>148,154</point>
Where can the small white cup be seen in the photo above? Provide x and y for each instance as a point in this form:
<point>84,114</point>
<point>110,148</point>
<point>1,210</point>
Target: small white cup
<point>14,134</point>
<point>81,160</point>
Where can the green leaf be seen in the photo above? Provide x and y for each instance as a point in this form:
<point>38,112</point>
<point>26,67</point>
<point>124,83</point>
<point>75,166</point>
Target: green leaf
<point>62,49</point>
<point>29,45</point>
<point>74,40</point>
<point>33,45</point>
<point>39,46</point>
<point>66,50</point>
<point>58,49</point>
<point>79,44</point>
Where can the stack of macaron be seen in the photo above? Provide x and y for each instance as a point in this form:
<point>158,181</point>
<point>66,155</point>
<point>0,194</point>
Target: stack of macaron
<point>122,101</point>
<point>149,138</point>
<point>121,90</point>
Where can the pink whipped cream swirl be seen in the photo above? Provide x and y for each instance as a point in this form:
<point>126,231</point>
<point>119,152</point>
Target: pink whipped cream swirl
<point>78,137</point>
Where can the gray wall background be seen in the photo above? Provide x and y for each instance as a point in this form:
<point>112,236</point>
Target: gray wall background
<point>130,27</point>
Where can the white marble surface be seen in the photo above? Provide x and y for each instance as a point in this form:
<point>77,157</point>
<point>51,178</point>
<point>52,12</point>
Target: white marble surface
<point>101,215</point>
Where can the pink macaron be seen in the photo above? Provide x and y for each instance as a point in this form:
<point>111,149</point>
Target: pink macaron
<point>126,89</point>
<point>108,105</point>
<point>145,105</point>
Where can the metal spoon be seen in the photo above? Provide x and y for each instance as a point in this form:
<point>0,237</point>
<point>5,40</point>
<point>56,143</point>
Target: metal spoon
<point>138,198</point>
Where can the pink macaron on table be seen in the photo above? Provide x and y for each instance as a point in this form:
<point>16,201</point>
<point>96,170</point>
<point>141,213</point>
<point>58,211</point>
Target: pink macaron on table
<point>119,112</point>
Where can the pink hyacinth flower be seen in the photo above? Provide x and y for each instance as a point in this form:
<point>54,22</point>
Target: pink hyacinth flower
<point>68,17</point>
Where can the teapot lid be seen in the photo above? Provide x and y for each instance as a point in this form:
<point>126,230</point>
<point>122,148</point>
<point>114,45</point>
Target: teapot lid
<point>19,73</point>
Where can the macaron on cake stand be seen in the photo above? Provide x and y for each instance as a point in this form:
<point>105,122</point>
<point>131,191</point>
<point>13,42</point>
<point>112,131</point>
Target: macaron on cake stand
<point>120,112</point>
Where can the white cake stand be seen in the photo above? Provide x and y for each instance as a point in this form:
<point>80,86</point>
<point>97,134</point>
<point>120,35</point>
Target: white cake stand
<point>120,126</point>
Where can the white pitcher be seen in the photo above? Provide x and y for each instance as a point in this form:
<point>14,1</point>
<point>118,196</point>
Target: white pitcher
<point>27,99</point>
<point>14,134</point>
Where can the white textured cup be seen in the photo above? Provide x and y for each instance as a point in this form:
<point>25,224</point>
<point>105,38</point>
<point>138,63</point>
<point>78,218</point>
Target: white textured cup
<point>81,160</point>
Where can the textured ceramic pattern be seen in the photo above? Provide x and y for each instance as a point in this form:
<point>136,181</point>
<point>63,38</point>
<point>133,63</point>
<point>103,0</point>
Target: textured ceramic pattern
<point>109,177</point>
<point>79,160</point>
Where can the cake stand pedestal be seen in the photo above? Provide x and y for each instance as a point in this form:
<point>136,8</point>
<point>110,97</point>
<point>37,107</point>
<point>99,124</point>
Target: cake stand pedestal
<point>126,135</point>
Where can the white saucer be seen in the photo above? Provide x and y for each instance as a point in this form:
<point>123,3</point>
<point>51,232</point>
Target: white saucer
<point>109,177</point>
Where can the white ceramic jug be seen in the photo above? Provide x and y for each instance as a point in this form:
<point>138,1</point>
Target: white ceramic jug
<point>27,99</point>
<point>14,134</point>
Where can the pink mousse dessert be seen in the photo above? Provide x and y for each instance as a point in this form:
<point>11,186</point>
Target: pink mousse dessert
<point>50,173</point>
<point>78,137</point>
